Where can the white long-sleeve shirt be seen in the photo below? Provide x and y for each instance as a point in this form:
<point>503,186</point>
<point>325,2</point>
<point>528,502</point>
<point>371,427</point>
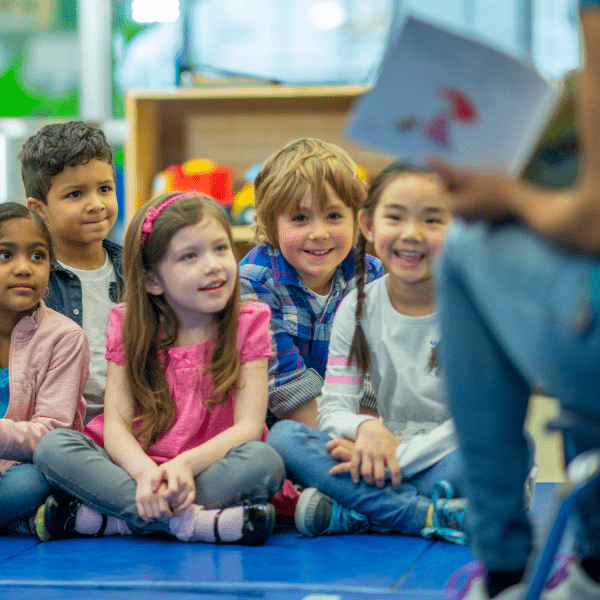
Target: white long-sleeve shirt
<point>409,398</point>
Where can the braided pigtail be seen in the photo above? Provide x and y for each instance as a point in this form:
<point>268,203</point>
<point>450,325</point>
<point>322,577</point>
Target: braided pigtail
<point>433,364</point>
<point>359,348</point>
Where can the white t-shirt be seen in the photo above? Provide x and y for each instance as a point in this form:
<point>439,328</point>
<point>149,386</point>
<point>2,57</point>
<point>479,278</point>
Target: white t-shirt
<point>410,398</point>
<point>96,306</point>
<point>321,302</point>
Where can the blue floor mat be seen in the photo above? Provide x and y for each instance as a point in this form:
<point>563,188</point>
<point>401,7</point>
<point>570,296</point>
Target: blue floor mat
<point>287,567</point>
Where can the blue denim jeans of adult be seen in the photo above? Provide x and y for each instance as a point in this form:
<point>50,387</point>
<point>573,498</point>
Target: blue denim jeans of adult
<point>23,488</point>
<point>516,313</point>
<point>404,509</point>
<point>250,472</point>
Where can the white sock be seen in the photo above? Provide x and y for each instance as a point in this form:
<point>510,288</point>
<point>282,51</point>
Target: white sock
<point>88,521</point>
<point>197,525</point>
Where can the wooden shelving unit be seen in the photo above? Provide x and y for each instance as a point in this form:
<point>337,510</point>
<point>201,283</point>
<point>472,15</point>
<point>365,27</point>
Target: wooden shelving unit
<point>236,126</point>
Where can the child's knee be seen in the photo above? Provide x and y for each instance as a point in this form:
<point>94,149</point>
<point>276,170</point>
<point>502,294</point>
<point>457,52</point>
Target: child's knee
<point>282,432</point>
<point>268,458</point>
<point>264,468</point>
<point>52,445</point>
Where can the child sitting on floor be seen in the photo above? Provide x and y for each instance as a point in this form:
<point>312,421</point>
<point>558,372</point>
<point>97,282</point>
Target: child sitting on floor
<point>43,364</point>
<point>177,449</point>
<point>69,179</point>
<point>399,472</point>
<point>307,198</point>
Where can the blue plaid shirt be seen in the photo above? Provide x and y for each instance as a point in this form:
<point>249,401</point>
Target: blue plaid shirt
<point>299,326</point>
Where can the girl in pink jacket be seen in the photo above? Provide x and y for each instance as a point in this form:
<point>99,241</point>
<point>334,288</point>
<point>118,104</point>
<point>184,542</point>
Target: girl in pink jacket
<point>178,448</point>
<point>44,360</point>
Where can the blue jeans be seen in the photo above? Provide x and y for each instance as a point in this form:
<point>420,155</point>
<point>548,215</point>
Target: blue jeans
<point>250,472</point>
<point>23,489</point>
<point>515,313</point>
<point>404,509</point>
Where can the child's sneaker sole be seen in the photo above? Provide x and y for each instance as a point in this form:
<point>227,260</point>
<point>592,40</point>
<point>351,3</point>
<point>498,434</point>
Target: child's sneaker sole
<point>305,511</point>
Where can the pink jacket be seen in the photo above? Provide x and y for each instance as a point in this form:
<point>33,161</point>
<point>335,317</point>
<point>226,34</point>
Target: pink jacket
<point>48,368</point>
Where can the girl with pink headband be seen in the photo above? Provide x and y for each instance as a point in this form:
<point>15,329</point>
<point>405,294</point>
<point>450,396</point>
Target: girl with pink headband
<point>178,448</point>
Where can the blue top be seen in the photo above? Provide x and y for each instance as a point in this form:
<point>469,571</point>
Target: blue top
<point>595,285</point>
<point>4,392</point>
<point>583,3</point>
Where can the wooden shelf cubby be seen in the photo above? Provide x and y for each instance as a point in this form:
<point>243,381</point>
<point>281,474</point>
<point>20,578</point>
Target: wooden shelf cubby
<point>236,126</point>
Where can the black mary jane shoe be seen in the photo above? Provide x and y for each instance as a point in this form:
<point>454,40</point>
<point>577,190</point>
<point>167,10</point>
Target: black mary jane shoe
<point>259,520</point>
<point>55,519</point>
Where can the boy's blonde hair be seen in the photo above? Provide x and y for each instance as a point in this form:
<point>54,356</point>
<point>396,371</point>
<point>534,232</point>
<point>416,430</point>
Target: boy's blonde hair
<point>286,175</point>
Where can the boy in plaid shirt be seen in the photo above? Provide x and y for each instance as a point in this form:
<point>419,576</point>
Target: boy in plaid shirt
<point>307,198</point>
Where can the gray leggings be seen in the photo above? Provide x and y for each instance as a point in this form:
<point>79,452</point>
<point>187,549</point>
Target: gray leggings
<point>249,473</point>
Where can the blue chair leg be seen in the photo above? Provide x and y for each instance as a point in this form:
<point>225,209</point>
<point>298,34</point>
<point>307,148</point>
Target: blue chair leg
<point>582,471</point>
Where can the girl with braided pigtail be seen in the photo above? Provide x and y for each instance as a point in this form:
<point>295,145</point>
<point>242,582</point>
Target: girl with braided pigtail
<point>359,348</point>
<point>399,472</point>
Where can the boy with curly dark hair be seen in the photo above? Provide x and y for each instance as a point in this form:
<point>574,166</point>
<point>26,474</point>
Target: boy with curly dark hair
<point>69,179</point>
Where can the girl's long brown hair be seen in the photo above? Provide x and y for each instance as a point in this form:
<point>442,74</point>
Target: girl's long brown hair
<point>359,348</point>
<point>151,324</point>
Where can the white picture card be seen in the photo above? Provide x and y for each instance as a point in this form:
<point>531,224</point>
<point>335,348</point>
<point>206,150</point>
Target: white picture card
<point>440,93</point>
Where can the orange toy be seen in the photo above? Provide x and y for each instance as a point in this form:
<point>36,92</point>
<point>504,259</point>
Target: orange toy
<point>200,175</point>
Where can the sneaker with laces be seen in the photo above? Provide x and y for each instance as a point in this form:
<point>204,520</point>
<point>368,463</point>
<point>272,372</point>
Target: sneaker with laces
<point>448,516</point>
<point>318,514</point>
<point>568,582</point>
<point>55,519</point>
<point>574,583</point>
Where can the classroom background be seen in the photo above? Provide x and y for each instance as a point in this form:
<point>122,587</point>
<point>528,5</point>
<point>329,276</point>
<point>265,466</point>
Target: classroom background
<point>216,84</point>
<point>229,81</point>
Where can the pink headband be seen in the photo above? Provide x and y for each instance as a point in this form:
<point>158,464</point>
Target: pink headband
<point>155,211</point>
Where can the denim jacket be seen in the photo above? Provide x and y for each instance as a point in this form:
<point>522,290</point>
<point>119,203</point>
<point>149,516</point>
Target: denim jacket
<point>65,295</point>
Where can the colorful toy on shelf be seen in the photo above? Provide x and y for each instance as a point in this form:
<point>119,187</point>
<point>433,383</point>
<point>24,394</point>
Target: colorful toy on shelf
<point>242,210</point>
<point>199,174</point>
<point>362,174</point>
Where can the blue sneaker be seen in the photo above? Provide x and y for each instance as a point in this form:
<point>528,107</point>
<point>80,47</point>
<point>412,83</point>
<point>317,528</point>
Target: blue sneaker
<point>318,514</point>
<point>448,516</point>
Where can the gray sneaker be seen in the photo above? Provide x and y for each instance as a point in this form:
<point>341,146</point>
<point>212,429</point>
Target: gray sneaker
<point>318,514</point>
